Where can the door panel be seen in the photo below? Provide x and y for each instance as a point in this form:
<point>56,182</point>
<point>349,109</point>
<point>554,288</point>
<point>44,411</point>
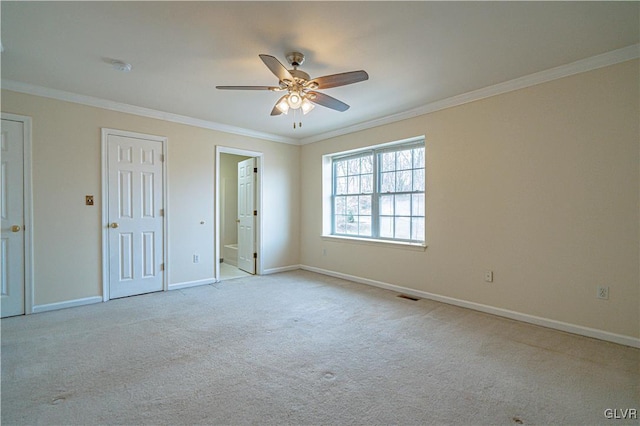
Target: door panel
<point>135,221</point>
<point>12,212</point>
<point>246,217</point>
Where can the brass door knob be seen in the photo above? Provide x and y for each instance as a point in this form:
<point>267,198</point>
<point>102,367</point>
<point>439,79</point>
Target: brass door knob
<point>238,220</point>
<point>15,228</point>
<point>114,225</point>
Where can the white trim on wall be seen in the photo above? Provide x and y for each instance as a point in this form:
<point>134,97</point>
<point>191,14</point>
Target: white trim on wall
<point>188,284</point>
<point>282,269</point>
<point>584,65</point>
<point>30,89</point>
<point>599,61</point>
<point>259,206</point>
<point>105,207</point>
<point>531,319</point>
<point>29,292</point>
<point>66,304</point>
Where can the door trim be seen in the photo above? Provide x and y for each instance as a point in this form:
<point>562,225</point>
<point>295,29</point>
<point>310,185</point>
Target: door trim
<point>259,206</point>
<point>28,209</point>
<point>106,132</point>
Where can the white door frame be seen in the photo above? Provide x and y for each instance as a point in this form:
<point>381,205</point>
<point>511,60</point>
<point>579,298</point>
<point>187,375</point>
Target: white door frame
<point>28,210</point>
<point>260,165</point>
<point>105,206</point>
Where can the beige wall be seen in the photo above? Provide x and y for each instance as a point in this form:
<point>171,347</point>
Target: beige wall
<point>540,185</point>
<point>67,166</point>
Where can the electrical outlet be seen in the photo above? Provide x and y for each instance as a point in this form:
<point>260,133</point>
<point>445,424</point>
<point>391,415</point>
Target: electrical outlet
<point>603,293</point>
<point>196,258</point>
<point>488,276</point>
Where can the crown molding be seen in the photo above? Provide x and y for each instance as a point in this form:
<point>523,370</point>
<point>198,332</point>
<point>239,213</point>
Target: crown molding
<point>599,61</point>
<point>61,95</point>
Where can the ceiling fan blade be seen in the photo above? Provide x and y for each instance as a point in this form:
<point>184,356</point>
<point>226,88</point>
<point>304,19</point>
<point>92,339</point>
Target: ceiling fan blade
<point>275,110</point>
<point>276,68</point>
<point>272,88</point>
<point>327,101</point>
<point>342,79</point>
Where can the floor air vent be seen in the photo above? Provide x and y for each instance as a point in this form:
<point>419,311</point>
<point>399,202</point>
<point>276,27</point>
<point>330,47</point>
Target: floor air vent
<point>405,296</point>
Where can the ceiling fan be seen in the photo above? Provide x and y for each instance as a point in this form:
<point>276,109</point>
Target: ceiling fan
<point>300,88</point>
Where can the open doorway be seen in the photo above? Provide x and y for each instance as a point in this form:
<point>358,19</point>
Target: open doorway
<point>238,213</point>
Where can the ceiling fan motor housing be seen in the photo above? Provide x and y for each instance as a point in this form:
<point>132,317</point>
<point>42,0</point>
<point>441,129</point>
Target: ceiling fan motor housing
<point>300,76</point>
<point>295,59</point>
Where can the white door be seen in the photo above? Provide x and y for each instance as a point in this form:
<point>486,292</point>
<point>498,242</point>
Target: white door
<point>12,210</point>
<point>135,215</point>
<point>246,215</point>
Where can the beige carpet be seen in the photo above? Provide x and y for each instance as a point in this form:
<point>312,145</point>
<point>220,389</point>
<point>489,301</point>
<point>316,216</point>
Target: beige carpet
<point>302,348</point>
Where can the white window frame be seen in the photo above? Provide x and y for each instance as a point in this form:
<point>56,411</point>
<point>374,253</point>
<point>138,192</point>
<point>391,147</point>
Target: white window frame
<point>328,191</point>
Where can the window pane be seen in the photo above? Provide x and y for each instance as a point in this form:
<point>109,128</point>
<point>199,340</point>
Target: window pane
<point>418,180</point>
<point>388,161</point>
<point>365,205</point>
<point>386,227</point>
<point>354,185</point>
<point>366,166</point>
<point>388,183</point>
<point>352,205</point>
<point>403,205</point>
<point>417,228</point>
<point>340,206</point>
<point>395,193</point>
<point>341,185</point>
<point>354,166</point>
<point>364,228</point>
<point>403,160</point>
<point>352,225</point>
<point>418,158</point>
<point>366,184</point>
<point>403,181</point>
<point>417,205</point>
<point>403,228</point>
<point>386,205</point>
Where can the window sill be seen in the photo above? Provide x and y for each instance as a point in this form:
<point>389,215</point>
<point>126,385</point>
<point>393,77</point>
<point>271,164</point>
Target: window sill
<point>374,242</point>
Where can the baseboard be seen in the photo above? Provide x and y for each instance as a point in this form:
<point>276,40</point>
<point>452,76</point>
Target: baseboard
<point>66,304</point>
<point>281,269</point>
<point>188,284</point>
<point>531,319</point>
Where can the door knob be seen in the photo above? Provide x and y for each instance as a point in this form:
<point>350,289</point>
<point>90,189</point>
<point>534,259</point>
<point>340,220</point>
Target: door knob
<point>15,228</point>
<point>238,220</point>
<point>114,225</point>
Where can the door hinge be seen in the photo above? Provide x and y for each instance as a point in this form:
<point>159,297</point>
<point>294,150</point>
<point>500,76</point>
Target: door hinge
<point>255,255</point>
<point>162,266</point>
<point>161,212</point>
<point>255,170</point>
<point>161,158</point>
<point>255,212</point>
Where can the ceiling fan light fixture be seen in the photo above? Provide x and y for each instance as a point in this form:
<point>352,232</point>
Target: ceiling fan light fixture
<point>306,106</point>
<point>283,105</point>
<point>295,100</point>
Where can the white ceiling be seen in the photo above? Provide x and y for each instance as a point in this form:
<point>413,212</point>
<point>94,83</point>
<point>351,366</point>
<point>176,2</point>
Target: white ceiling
<point>416,53</point>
